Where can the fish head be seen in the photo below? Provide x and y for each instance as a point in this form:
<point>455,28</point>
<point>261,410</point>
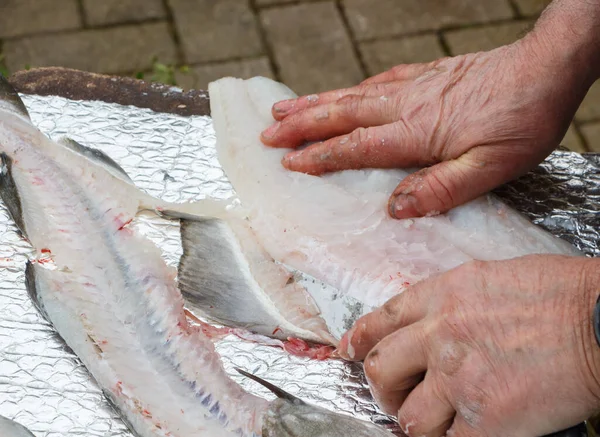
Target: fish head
<point>292,419</point>
<point>289,416</point>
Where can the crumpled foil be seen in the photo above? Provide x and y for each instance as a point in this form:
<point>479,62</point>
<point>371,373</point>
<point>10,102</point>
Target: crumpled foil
<point>44,386</point>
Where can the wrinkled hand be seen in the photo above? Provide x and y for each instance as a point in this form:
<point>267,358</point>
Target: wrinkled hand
<point>487,349</point>
<point>483,118</point>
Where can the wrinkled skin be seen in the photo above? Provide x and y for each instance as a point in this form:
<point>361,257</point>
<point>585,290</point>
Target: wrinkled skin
<point>488,349</point>
<point>477,120</point>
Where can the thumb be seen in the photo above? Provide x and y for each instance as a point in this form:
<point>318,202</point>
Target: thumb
<point>437,189</point>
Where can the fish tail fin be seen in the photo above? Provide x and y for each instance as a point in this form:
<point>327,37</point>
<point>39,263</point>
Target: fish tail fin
<point>280,393</point>
<point>10,100</point>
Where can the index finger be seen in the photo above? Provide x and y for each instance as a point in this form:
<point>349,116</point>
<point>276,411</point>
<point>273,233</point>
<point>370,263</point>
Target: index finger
<point>400,311</point>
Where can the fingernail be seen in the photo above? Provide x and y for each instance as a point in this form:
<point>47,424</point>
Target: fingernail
<point>271,130</point>
<point>342,349</point>
<point>404,206</point>
<point>284,106</point>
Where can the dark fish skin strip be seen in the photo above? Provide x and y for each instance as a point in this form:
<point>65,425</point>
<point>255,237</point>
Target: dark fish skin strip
<point>95,155</point>
<point>10,194</point>
<point>32,289</point>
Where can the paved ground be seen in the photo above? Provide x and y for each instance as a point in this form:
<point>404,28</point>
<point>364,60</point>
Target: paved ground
<point>312,45</point>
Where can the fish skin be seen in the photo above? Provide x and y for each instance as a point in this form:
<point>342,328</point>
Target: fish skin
<point>117,306</point>
<point>336,227</point>
<point>227,276</point>
<point>9,428</point>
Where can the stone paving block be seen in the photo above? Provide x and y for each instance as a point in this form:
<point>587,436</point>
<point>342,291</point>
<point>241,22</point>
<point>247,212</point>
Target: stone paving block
<point>273,2</point>
<point>212,30</point>
<point>98,13</point>
<point>573,141</point>
<point>21,17</point>
<point>485,38</point>
<point>591,133</point>
<point>380,56</point>
<point>371,19</point>
<point>114,50</point>
<point>312,47</point>
<point>531,7</point>
<point>200,76</point>
<point>590,108</point>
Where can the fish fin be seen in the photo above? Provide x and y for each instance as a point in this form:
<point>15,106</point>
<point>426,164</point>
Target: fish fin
<point>97,156</point>
<point>10,100</point>
<point>31,284</point>
<point>280,393</point>
<point>9,192</point>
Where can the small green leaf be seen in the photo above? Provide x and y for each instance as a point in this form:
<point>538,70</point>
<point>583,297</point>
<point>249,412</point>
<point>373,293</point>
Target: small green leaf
<point>3,68</point>
<point>139,75</point>
<point>27,67</point>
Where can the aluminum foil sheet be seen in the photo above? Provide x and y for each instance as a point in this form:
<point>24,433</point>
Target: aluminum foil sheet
<point>44,386</point>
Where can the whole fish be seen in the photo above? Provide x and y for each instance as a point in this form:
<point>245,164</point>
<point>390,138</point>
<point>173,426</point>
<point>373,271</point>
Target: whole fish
<point>116,304</point>
<point>336,227</point>
<point>9,428</point>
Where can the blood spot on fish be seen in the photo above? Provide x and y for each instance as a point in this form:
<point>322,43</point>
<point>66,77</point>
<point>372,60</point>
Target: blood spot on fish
<point>278,329</point>
<point>301,348</point>
<point>45,250</point>
<point>125,224</point>
<point>146,413</point>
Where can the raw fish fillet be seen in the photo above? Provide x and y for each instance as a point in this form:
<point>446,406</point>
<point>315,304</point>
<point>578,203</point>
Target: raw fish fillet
<point>336,227</point>
<point>115,302</point>
<point>8,428</point>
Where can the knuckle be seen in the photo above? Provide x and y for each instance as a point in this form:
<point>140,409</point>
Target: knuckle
<point>349,106</point>
<point>442,189</point>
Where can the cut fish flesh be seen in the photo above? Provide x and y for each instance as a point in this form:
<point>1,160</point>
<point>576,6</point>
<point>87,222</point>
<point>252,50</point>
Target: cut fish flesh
<point>336,227</point>
<point>115,302</point>
<point>9,428</point>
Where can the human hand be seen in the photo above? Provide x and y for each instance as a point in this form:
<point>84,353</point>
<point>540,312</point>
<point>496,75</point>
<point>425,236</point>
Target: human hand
<point>477,120</point>
<point>488,349</point>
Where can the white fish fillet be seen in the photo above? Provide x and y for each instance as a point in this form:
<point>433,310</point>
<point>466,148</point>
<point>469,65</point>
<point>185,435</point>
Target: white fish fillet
<point>336,227</point>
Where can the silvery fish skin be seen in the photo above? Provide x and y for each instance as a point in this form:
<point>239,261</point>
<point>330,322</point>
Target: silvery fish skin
<point>336,227</point>
<point>8,428</point>
<point>111,297</point>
